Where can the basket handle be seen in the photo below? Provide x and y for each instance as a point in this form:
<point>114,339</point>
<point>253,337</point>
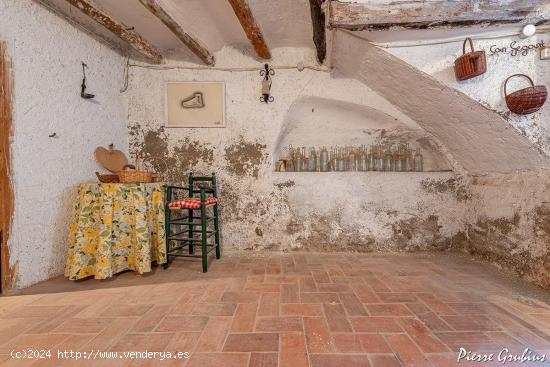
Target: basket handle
<point>511,76</point>
<point>464,45</point>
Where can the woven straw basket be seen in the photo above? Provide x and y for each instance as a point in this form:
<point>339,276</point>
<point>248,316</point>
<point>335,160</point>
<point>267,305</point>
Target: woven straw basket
<point>107,178</point>
<point>527,100</point>
<point>470,64</point>
<point>135,176</point>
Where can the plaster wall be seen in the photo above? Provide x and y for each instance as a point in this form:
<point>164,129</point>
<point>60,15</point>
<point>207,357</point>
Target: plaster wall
<point>262,209</point>
<point>478,138</point>
<point>47,52</point>
<point>321,122</point>
<point>488,89</point>
<point>509,223</point>
<point>508,217</point>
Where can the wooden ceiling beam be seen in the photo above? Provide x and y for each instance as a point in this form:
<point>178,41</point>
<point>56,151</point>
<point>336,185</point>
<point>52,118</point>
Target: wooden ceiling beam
<point>193,44</point>
<point>422,14</point>
<point>319,34</point>
<point>130,37</point>
<point>251,28</point>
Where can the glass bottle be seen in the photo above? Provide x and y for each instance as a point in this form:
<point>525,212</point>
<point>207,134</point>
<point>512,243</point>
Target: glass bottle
<point>387,159</point>
<point>352,163</point>
<point>341,160</point>
<point>403,157</point>
<point>324,159</point>
<point>409,163</point>
<point>289,165</point>
<point>376,153</point>
<point>338,159</point>
<point>418,161</point>
<point>372,160</point>
<point>380,158</point>
<point>299,161</point>
<point>318,162</point>
<point>396,160</point>
<point>312,160</point>
<point>363,159</point>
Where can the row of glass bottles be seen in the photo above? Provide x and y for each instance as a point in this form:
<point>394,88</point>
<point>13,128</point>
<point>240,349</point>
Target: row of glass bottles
<point>380,157</point>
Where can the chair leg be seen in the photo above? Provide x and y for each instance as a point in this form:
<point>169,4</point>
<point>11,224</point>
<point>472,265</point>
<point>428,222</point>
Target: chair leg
<point>191,246</point>
<point>167,234</point>
<point>217,234</point>
<point>204,239</point>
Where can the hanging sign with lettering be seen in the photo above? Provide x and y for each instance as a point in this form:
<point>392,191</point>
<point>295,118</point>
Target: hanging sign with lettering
<point>514,49</point>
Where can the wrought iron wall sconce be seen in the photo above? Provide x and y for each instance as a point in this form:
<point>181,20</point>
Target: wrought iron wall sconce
<point>83,93</point>
<point>267,73</point>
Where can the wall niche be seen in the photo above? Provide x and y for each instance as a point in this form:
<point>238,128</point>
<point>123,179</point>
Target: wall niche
<point>326,135</point>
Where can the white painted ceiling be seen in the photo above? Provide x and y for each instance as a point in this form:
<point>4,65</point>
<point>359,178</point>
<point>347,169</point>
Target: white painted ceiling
<point>284,23</point>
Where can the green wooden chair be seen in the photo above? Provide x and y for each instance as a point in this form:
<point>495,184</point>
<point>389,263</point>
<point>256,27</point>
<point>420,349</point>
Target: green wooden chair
<point>188,208</point>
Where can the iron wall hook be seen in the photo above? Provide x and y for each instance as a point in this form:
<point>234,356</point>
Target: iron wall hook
<point>83,93</point>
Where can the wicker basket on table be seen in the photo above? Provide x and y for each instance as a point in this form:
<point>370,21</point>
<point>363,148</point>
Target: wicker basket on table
<point>107,178</point>
<point>136,175</point>
<point>527,100</point>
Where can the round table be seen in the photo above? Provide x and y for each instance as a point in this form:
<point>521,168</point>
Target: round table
<point>115,227</point>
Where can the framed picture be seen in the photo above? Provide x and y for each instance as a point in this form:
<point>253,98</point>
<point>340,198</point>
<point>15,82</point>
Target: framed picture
<point>195,104</point>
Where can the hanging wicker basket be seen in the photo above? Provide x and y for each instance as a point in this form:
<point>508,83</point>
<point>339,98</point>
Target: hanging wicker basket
<point>470,64</point>
<point>527,100</point>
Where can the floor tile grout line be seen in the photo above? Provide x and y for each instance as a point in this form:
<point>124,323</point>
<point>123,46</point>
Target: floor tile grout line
<point>304,337</point>
<point>397,356</point>
<point>254,327</point>
<point>113,342</point>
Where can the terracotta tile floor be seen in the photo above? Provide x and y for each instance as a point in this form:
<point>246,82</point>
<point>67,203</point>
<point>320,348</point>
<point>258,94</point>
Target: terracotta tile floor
<point>285,310</point>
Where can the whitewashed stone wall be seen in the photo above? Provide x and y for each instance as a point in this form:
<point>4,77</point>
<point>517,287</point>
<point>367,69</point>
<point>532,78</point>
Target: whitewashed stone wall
<point>47,53</point>
<point>263,209</point>
<point>508,221</point>
<point>488,89</point>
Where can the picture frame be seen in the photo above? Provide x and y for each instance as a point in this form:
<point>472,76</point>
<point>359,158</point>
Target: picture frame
<point>195,104</point>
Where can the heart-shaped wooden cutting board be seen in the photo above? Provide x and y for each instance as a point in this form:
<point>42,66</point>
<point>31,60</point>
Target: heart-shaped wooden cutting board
<point>111,159</point>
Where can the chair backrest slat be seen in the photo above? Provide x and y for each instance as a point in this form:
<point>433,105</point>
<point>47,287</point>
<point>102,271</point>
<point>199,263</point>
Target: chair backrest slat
<point>208,183</point>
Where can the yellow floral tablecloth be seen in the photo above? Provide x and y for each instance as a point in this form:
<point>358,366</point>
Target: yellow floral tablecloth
<point>116,227</point>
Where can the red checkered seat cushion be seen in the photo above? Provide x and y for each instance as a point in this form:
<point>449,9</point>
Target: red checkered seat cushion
<point>191,203</point>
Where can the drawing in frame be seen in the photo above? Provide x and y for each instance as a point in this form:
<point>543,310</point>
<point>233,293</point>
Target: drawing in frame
<point>195,104</point>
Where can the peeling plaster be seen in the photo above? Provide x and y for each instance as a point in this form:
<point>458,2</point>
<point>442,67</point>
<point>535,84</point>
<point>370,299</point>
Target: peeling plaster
<point>508,220</point>
<point>455,185</point>
<point>174,163</point>
<point>244,158</point>
<point>502,218</point>
<point>266,210</point>
<point>509,223</point>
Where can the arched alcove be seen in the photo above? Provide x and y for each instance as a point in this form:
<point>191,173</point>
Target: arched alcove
<point>320,122</point>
